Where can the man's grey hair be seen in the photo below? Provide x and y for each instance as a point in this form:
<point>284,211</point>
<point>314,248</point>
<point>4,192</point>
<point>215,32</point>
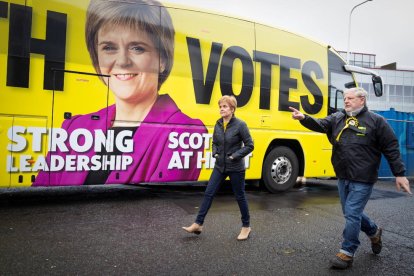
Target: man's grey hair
<point>359,92</point>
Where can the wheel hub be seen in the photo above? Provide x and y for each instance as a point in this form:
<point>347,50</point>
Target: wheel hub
<point>281,170</point>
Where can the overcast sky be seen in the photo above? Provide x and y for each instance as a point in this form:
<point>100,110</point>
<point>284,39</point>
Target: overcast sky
<point>381,27</point>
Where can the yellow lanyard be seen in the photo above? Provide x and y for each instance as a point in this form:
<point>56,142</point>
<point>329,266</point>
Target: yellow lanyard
<point>351,121</point>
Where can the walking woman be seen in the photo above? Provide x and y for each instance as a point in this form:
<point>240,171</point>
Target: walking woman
<point>231,143</point>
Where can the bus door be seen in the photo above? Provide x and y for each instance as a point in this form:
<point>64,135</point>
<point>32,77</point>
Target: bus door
<point>84,93</point>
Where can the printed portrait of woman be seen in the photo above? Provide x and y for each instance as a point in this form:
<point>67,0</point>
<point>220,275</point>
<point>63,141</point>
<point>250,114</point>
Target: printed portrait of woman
<point>133,44</point>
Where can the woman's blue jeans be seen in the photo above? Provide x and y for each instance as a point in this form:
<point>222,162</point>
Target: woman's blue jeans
<point>237,184</point>
<point>354,196</point>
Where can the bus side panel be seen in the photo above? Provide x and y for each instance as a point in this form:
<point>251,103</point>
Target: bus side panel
<point>298,78</point>
<point>27,149</point>
<point>6,123</point>
<point>212,59</point>
<point>267,70</point>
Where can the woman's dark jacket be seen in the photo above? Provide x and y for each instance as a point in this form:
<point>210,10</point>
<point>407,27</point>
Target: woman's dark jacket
<point>235,141</point>
<point>357,154</point>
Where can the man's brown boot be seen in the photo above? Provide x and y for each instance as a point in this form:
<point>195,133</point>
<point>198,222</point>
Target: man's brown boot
<point>376,242</point>
<point>341,261</point>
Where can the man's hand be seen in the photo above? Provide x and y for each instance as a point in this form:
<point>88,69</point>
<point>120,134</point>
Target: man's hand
<point>296,114</point>
<point>402,182</point>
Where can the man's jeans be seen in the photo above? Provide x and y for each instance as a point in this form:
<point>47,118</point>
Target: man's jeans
<point>354,196</point>
<point>237,184</point>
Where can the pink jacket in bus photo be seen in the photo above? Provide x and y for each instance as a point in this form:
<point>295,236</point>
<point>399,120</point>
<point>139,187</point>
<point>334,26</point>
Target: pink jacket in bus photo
<point>152,157</point>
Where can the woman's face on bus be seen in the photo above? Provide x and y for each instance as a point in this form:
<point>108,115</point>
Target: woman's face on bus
<point>131,59</point>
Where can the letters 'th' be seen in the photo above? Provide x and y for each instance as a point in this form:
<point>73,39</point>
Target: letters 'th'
<point>21,44</point>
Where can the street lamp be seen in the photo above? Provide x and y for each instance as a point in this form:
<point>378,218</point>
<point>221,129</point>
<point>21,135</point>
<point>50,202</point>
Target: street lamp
<point>349,28</point>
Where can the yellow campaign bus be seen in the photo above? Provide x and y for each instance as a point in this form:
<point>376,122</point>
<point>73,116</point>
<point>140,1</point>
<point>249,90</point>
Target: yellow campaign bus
<point>126,92</point>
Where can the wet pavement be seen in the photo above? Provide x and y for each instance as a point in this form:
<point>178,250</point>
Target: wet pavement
<point>129,230</point>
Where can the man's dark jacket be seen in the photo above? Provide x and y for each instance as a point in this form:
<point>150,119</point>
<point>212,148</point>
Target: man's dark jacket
<point>235,142</point>
<point>357,154</point>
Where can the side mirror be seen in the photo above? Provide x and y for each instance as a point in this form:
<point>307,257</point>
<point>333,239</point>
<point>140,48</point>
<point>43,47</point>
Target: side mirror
<point>376,79</point>
<point>377,83</point>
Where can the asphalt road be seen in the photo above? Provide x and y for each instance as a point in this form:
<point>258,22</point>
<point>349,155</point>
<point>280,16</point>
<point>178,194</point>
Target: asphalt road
<point>128,230</point>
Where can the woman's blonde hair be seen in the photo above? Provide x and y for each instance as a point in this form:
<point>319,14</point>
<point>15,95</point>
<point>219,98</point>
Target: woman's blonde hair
<point>230,100</point>
<point>149,16</point>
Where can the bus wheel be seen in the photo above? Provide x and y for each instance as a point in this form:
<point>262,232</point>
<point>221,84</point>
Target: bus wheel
<point>280,169</point>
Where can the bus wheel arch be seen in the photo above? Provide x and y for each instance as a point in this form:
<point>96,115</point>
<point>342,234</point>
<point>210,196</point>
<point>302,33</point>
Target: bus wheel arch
<point>283,163</point>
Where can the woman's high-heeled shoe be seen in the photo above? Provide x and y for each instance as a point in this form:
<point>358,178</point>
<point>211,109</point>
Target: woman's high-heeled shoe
<point>244,233</point>
<point>194,228</point>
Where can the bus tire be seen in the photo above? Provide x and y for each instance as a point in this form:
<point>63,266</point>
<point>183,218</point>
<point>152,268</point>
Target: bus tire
<point>280,169</point>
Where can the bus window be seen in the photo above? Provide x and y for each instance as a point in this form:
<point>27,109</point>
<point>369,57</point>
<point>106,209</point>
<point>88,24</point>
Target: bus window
<point>339,80</point>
